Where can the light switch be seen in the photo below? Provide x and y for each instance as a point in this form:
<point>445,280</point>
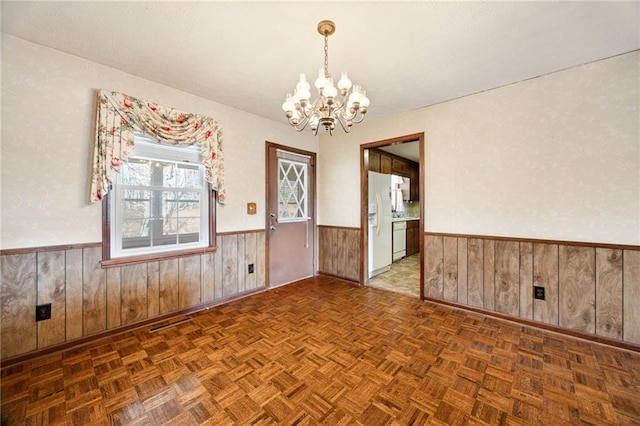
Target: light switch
<point>251,208</point>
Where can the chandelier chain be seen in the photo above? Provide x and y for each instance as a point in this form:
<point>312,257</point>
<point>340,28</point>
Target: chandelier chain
<point>326,55</point>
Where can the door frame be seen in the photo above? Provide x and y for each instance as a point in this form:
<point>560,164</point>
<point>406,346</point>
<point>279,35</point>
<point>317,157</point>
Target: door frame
<point>364,191</point>
<point>313,200</point>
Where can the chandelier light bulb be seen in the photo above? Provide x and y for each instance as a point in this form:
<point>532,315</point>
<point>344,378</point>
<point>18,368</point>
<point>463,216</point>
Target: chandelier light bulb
<point>364,101</point>
<point>288,106</point>
<point>355,97</point>
<point>303,84</point>
<point>347,103</point>
<point>329,90</point>
<point>344,84</point>
<point>321,81</point>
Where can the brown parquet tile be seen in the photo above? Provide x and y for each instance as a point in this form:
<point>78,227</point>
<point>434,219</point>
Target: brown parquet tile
<point>322,351</point>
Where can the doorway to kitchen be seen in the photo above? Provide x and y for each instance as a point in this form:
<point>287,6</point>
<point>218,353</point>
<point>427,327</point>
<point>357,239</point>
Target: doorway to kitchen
<point>392,214</point>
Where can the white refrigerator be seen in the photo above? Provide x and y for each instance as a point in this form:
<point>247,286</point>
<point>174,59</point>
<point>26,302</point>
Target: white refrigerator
<point>379,212</point>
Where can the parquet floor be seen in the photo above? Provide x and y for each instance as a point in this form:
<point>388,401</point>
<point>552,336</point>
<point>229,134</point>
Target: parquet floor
<point>322,351</point>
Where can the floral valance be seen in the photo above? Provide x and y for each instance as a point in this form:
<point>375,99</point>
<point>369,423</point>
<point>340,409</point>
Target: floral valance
<point>120,115</point>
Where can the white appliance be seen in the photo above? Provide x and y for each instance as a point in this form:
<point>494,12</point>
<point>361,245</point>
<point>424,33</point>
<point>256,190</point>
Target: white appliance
<point>379,223</point>
<point>399,240</point>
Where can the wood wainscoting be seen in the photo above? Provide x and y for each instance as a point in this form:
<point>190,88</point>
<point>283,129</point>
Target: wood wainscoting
<point>339,252</point>
<point>589,288</point>
<point>87,299</point>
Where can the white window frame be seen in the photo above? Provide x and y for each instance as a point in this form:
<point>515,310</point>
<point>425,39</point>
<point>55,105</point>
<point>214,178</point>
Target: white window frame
<point>303,161</point>
<point>149,149</point>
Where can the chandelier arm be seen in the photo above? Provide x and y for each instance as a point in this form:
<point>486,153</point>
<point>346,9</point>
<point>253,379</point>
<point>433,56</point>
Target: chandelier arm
<point>346,129</point>
<point>360,120</point>
<point>303,122</point>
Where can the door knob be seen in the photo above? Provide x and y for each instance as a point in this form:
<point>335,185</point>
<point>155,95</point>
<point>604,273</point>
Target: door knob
<point>273,228</point>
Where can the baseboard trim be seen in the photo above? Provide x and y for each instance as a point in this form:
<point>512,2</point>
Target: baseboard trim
<point>536,324</point>
<point>82,341</point>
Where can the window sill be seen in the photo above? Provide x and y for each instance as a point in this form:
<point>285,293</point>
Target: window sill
<point>146,258</point>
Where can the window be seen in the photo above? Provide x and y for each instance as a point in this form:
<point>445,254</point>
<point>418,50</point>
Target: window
<point>160,203</point>
<point>292,187</point>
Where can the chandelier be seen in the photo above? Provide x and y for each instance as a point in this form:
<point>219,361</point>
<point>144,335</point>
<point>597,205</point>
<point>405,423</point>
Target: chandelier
<point>348,108</point>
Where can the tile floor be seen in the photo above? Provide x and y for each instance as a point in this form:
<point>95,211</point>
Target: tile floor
<point>404,277</point>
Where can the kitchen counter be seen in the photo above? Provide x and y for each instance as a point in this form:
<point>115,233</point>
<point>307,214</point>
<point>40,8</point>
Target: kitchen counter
<point>404,219</point>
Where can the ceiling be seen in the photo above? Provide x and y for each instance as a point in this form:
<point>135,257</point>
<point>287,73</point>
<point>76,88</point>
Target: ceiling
<point>409,150</point>
<point>406,55</point>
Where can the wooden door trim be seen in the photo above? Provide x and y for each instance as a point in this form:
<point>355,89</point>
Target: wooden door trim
<point>312,165</point>
<point>364,191</point>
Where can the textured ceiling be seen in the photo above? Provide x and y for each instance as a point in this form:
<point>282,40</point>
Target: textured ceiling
<point>405,54</point>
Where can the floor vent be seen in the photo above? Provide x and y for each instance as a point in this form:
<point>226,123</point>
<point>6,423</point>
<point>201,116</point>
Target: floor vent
<point>170,323</point>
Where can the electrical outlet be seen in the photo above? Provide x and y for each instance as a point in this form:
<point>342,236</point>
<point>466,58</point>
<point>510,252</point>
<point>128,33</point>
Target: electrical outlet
<point>251,268</point>
<point>538,293</point>
<point>43,312</point>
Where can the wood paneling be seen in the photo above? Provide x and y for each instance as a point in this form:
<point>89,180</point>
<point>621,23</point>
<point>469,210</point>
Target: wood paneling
<point>153,289</point>
<point>588,289</point>
<point>577,288</point>
<point>352,248</point>
<point>609,293</point>
<point>489,275</point>
<point>87,299</point>
<point>339,252</point>
<point>463,259</point>
<point>134,293</point>
<point>169,299</point>
<point>250,258</point>
<point>340,248</point>
<point>242,266</point>
<point>18,287</point>
<point>94,292</point>
<point>229,264</point>
<point>208,276</point>
<point>325,251</point>
<point>434,265</point>
<point>545,274</point>
<point>450,279</point>
<point>51,289</point>
<point>631,294</point>
<point>526,280</point>
<point>507,273</point>
<point>73,288</point>
<point>475,272</point>
<point>114,299</point>
<point>261,258</point>
<point>218,289</point>
<point>189,281</point>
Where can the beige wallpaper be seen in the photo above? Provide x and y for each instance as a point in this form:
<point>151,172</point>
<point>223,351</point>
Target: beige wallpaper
<point>555,157</point>
<point>48,104</point>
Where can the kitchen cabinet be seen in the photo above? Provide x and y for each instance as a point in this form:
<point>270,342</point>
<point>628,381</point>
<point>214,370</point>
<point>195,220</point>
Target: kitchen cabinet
<point>414,175</point>
<point>374,161</point>
<point>400,166</point>
<point>386,163</point>
<point>413,237</point>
